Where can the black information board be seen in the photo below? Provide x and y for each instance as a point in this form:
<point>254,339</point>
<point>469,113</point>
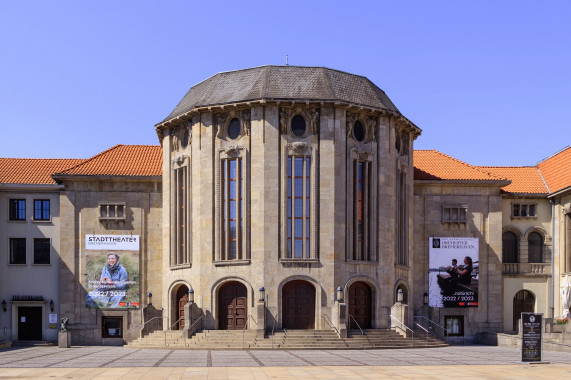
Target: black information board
<point>531,350</point>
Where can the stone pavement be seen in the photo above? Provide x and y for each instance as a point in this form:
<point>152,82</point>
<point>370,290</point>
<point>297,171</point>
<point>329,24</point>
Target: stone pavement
<point>128,363</point>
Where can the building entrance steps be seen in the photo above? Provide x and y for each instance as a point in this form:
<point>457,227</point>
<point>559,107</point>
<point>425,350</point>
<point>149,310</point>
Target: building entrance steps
<point>285,339</point>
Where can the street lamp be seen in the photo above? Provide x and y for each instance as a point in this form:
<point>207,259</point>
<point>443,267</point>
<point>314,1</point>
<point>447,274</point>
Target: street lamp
<point>150,298</point>
<point>262,294</point>
<point>339,294</point>
<point>191,295</point>
<point>426,298</point>
<point>400,295</point>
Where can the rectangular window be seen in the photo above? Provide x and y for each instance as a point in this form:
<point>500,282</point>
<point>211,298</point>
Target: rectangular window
<point>181,217</point>
<point>112,211</point>
<point>454,325</point>
<point>522,210</point>
<point>232,210</point>
<point>17,209</point>
<point>454,214</point>
<point>112,327</point>
<point>41,209</point>
<point>17,251</point>
<point>42,251</point>
<point>298,205</point>
<point>361,205</point>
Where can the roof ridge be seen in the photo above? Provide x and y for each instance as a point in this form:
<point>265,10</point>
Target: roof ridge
<point>507,167</point>
<point>493,176</point>
<point>90,159</point>
<point>554,154</point>
<point>544,182</point>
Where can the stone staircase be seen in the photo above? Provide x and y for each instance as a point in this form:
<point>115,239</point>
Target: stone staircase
<point>284,340</point>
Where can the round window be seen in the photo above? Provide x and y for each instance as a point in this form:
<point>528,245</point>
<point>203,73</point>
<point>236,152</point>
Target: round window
<point>298,125</point>
<point>358,131</point>
<point>234,129</point>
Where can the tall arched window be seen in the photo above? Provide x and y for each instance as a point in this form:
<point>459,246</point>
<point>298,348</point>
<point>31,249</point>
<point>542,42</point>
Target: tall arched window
<point>510,251</point>
<point>535,245</point>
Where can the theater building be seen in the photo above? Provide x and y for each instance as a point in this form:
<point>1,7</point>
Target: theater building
<point>285,197</point>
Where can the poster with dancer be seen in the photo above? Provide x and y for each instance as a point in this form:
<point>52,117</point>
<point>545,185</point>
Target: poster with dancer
<point>453,268</point>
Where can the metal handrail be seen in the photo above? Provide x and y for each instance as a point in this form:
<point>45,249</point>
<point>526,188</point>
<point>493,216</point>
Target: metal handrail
<point>195,322</point>
<point>402,325</point>
<point>435,324</point>
<point>330,324</point>
<point>244,330</point>
<point>273,329</point>
<point>362,333</point>
<point>145,323</point>
<point>165,332</point>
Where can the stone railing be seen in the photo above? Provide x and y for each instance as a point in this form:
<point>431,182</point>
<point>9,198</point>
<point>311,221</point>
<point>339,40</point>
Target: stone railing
<point>526,268</point>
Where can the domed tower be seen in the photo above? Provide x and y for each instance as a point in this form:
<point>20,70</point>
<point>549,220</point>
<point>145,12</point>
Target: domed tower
<point>295,179</point>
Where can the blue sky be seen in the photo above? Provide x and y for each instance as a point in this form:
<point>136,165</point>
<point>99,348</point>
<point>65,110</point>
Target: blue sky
<point>488,82</point>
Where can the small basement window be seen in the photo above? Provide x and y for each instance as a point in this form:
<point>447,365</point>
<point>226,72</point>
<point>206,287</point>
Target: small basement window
<point>112,211</point>
<point>112,327</point>
<point>454,325</point>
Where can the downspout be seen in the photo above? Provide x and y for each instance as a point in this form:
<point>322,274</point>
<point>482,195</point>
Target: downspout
<point>552,298</point>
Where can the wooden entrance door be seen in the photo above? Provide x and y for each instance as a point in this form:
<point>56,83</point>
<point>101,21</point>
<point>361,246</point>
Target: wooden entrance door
<point>29,323</point>
<point>298,305</point>
<point>524,302</point>
<point>360,305</point>
<point>181,301</point>
<point>232,306</point>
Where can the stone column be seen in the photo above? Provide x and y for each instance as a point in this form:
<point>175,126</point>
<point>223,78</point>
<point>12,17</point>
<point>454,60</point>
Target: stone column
<point>261,319</point>
<point>341,311</point>
<point>400,312</point>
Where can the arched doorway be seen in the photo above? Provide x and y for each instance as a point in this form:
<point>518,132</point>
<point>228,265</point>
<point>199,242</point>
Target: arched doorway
<point>232,306</point>
<point>360,305</point>
<point>181,300</point>
<point>524,302</point>
<point>298,305</point>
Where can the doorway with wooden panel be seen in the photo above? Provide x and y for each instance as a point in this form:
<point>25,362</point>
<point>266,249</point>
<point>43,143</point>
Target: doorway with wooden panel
<point>232,306</point>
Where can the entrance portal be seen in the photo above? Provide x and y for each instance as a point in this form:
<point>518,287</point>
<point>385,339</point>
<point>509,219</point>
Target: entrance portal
<point>29,323</point>
<point>360,305</point>
<point>298,305</point>
<point>232,306</point>
<point>524,302</point>
<point>181,300</point>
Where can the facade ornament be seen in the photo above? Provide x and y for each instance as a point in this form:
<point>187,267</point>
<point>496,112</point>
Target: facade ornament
<point>312,115</point>
<point>404,143</point>
<point>371,128</point>
<point>245,116</point>
<point>232,150</point>
<point>299,146</point>
<point>175,143</point>
<point>220,120</point>
<point>284,119</point>
<point>402,164</point>
<point>350,119</point>
<point>178,161</point>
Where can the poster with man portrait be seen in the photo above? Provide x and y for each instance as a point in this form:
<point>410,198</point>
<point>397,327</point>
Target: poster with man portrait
<point>453,272</point>
<point>112,271</point>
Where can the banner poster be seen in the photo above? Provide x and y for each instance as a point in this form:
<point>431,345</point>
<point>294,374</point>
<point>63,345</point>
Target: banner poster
<point>112,271</point>
<point>453,272</point>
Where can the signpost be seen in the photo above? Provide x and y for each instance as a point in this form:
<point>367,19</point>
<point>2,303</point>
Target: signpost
<point>531,349</point>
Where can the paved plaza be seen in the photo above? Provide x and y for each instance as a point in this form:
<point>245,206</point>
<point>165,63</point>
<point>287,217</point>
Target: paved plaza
<point>128,363</point>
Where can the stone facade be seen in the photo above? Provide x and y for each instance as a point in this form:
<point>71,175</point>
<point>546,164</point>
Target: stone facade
<point>79,214</point>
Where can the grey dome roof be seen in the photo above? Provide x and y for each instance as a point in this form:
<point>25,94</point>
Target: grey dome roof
<point>283,83</point>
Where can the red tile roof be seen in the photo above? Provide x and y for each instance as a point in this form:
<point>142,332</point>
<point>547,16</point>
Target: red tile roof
<point>122,160</point>
<point>35,171</point>
<point>525,180</point>
<point>556,170</point>
<point>433,165</point>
